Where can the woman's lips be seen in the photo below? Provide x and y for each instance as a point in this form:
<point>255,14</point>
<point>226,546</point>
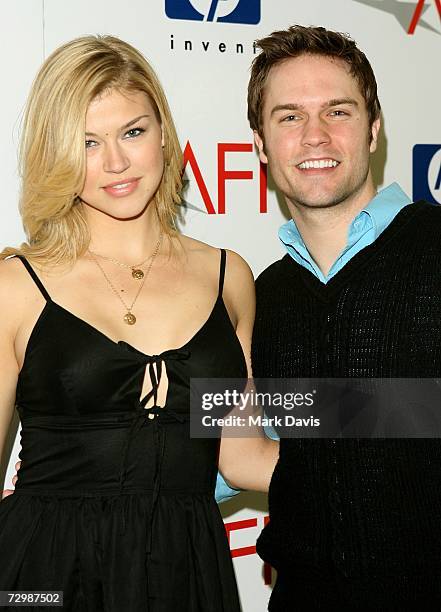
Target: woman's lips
<point>124,188</point>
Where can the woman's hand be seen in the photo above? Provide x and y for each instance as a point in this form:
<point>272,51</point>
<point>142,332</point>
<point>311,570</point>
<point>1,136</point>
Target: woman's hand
<point>7,492</point>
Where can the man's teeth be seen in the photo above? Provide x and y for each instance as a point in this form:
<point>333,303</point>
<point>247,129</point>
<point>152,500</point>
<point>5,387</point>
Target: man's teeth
<point>318,163</point>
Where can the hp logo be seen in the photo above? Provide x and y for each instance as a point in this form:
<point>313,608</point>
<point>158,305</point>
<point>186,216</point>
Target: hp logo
<point>221,11</point>
<point>427,173</point>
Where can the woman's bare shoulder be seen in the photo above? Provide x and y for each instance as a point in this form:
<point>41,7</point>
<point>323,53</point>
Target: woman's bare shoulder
<point>12,274</point>
<point>239,281</point>
<point>238,266</point>
<point>192,245</point>
<point>15,290</point>
<point>235,263</point>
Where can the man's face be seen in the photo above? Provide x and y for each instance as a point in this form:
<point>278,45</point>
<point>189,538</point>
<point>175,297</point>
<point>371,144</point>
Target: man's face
<point>316,136</point>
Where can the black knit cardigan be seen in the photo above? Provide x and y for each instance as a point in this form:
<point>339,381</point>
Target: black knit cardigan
<point>367,507</point>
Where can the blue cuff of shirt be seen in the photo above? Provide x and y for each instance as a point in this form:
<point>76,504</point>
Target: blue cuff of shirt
<point>224,491</point>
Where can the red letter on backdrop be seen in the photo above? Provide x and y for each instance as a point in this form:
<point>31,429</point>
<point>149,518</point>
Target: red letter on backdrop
<point>223,175</point>
<point>235,525</point>
<point>248,550</point>
<point>417,14</point>
<point>191,159</point>
<point>263,180</point>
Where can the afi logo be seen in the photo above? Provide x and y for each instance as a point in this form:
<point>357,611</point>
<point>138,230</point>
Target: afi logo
<point>224,175</point>
<point>408,14</point>
<point>427,173</point>
<point>223,11</point>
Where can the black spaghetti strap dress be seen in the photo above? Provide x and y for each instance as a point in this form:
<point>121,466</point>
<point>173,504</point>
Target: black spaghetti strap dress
<point>114,504</point>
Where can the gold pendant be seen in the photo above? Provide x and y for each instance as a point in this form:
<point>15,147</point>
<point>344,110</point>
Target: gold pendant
<point>129,318</point>
<point>138,274</point>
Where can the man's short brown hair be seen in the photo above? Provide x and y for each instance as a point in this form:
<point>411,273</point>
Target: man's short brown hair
<point>300,40</point>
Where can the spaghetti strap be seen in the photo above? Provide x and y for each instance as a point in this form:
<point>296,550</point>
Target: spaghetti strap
<point>222,271</point>
<point>34,276</point>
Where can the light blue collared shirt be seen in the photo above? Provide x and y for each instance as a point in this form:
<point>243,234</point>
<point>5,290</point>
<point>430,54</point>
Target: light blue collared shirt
<point>363,231</point>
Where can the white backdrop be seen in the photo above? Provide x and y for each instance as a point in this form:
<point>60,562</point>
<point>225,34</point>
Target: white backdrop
<point>204,67</point>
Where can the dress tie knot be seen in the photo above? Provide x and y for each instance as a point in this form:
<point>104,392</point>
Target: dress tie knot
<point>170,354</point>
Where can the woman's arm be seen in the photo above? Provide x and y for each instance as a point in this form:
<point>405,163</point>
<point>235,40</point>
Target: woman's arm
<point>245,463</point>
<point>9,309</point>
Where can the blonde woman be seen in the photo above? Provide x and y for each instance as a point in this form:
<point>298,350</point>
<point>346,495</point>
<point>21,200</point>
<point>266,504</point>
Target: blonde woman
<point>108,312</point>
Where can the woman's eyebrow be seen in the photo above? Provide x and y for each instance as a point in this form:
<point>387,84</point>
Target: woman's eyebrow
<point>131,122</point>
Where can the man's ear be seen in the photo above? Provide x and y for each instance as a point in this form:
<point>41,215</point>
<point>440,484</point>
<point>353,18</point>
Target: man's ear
<point>374,135</point>
<point>260,147</point>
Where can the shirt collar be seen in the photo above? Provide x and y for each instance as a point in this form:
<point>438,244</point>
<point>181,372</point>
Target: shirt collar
<point>380,211</point>
<point>384,207</point>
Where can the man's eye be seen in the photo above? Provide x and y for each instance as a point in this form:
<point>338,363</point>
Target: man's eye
<point>338,113</point>
<point>134,132</point>
<point>290,118</point>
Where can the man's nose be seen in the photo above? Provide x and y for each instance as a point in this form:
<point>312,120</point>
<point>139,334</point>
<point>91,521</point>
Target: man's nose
<point>315,132</point>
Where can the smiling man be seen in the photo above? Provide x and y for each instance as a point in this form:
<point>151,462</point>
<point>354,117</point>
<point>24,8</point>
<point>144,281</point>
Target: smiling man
<point>354,523</point>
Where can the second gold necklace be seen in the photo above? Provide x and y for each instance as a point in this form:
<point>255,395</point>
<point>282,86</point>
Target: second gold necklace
<point>129,317</point>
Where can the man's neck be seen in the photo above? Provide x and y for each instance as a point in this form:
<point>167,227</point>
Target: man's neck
<point>325,230</point>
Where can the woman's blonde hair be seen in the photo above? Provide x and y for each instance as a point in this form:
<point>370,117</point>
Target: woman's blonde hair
<point>52,150</point>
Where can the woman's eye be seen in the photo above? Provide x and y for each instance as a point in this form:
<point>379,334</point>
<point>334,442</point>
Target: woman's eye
<point>134,132</point>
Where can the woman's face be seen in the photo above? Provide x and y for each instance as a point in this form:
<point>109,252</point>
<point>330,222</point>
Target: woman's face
<point>124,154</point>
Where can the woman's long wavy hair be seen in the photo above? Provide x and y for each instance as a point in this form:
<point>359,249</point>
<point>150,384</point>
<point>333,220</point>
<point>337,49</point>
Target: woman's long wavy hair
<point>52,149</point>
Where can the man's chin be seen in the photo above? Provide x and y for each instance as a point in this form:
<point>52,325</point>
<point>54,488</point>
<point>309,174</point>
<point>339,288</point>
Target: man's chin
<point>318,202</point>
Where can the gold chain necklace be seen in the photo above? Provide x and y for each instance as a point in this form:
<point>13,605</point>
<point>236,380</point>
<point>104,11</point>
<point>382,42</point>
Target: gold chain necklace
<point>137,272</point>
<point>129,317</point>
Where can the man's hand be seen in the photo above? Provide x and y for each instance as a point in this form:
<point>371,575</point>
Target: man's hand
<point>7,492</point>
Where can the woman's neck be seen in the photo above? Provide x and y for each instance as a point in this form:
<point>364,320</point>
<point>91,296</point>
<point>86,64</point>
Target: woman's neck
<point>128,240</point>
